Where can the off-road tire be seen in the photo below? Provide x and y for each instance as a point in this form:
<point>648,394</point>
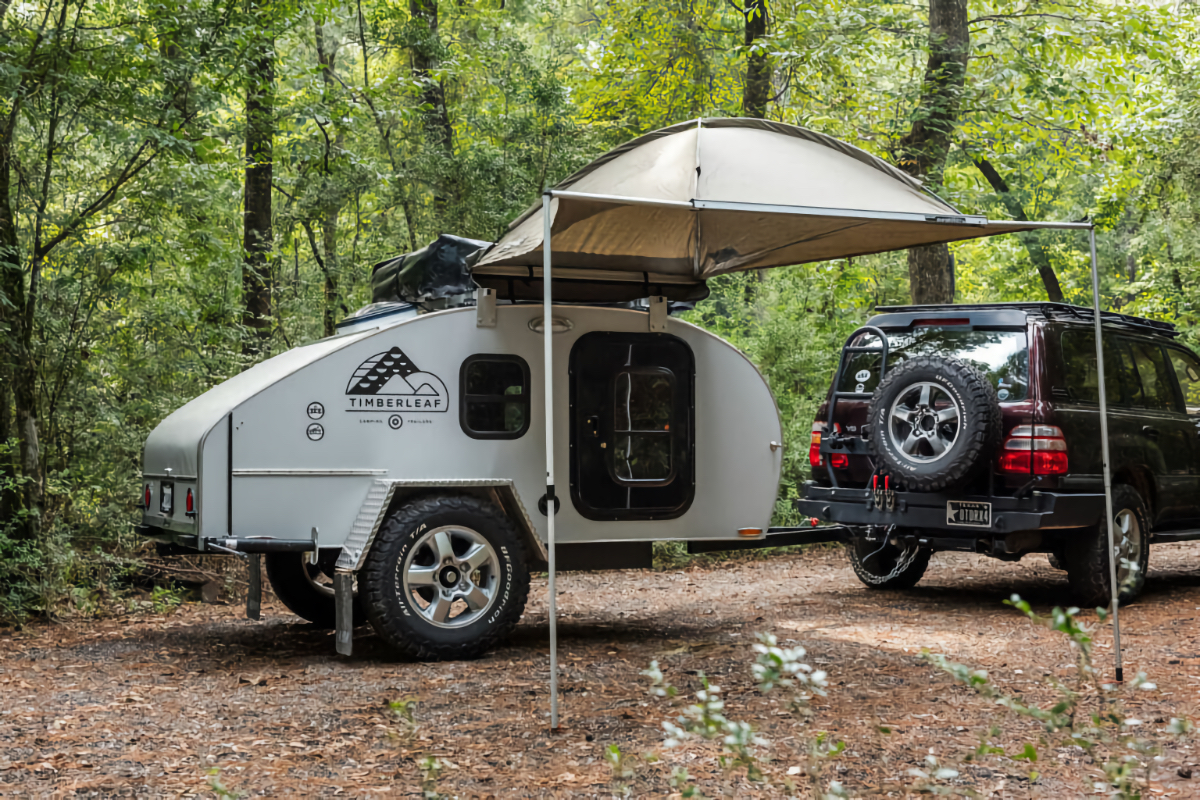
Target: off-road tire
<point>302,598</point>
<point>979,426</point>
<point>877,565</point>
<point>397,619</point>
<point>1086,555</point>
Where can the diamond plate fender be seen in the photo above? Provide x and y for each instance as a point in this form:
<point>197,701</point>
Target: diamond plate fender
<point>383,493</point>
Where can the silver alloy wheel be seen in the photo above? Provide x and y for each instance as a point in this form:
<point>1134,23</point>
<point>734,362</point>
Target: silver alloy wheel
<point>924,422</point>
<point>1127,543</point>
<point>451,575</point>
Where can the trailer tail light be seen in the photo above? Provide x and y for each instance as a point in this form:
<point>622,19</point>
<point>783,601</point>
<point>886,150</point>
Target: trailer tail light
<point>190,504</point>
<point>1034,450</point>
<point>836,460</point>
<point>146,498</point>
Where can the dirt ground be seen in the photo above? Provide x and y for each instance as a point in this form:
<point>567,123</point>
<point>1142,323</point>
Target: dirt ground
<point>179,703</point>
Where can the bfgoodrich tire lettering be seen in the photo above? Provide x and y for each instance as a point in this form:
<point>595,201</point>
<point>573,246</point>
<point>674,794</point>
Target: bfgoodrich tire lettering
<point>446,578</point>
<point>934,423</point>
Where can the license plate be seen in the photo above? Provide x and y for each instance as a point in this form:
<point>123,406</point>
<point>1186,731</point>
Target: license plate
<point>968,515</point>
<point>166,498</point>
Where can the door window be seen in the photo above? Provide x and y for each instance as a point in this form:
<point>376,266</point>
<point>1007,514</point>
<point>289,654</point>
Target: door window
<point>1083,380</point>
<point>1187,372</point>
<point>633,443</point>
<point>1154,387</point>
<point>494,397</point>
<point>643,404</point>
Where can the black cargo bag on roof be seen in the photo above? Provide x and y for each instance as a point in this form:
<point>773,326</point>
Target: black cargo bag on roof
<point>440,269</point>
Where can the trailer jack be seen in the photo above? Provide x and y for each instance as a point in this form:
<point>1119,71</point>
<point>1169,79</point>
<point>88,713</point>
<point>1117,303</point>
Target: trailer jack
<point>254,592</point>
<point>343,614</point>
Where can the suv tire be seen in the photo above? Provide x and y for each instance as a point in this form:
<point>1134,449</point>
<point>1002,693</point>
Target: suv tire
<point>934,423</point>
<point>1086,554</point>
<point>887,566</point>
<point>298,586</point>
<point>446,578</point>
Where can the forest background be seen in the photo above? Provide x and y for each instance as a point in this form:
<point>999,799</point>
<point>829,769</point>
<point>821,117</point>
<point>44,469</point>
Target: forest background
<point>188,187</point>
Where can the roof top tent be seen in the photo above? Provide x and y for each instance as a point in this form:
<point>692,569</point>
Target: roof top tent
<point>394,472</point>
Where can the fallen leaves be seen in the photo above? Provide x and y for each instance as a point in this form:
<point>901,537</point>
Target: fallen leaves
<point>159,701</point>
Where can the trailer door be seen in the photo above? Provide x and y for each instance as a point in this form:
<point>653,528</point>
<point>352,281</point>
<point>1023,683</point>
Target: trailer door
<point>632,433</point>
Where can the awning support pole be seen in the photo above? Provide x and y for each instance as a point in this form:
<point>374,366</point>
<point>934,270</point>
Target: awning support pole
<point>547,379</point>
<point>1108,501</point>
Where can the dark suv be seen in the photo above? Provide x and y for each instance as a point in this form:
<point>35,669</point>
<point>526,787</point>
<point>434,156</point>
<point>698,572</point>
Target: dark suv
<point>977,428</point>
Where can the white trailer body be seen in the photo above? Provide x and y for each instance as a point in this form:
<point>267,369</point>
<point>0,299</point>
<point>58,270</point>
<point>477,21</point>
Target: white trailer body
<point>304,445</point>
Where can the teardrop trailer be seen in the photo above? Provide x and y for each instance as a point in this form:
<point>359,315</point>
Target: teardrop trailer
<point>394,473</point>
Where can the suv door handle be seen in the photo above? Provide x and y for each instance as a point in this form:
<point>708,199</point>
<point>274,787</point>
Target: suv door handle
<point>1150,432</point>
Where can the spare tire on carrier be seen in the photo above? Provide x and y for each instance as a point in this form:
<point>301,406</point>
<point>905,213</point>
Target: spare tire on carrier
<point>935,422</point>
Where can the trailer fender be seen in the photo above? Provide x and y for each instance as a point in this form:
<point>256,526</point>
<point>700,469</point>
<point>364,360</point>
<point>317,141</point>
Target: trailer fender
<point>385,495</point>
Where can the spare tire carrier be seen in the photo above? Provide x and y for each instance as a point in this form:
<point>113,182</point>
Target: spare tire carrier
<point>832,441</point>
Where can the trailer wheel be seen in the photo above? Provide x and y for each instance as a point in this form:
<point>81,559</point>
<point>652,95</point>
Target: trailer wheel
<point>1086,554</point>
<point>934,423</point>
<point>446,578</point>
<point>884,565</point>
<point>306,589</point>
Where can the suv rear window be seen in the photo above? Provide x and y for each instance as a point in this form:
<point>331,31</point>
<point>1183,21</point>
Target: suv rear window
<point>1002,355</point>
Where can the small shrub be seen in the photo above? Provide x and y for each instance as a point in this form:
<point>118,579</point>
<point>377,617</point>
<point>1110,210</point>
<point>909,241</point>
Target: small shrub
<point>1088,714</point>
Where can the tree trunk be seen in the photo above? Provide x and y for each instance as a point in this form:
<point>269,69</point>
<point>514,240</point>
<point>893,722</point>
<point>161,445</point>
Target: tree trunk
<point>9,503</point>
<point>326,62</point>
<point>16,366</point>
<point>922,152</point>
<point>931,274</point>
<point>757,91</point>
<point>1033,245</point>
<point>258,238</point>
<point>438,130</point>
<point>332,296</point>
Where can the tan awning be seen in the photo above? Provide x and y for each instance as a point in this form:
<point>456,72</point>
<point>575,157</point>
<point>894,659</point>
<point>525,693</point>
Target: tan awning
<point>699,199</point>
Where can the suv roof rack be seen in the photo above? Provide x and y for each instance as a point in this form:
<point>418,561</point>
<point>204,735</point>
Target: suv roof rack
<point>1047,309</point>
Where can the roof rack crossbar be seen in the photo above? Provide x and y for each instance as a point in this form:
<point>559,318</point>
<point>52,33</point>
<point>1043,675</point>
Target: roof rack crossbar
<point>1047,309</point>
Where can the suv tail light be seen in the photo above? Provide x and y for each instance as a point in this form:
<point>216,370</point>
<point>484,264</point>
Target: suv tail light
<point>1034,449</point>
<point>190,505</point>
<point>146,498</point>
<point>814,445</point>
<point>836,460</point>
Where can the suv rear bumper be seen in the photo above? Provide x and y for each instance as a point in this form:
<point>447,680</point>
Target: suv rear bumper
<point>928,511</point>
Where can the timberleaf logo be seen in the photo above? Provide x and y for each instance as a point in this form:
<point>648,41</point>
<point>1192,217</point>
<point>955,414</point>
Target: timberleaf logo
<point>392,382</point>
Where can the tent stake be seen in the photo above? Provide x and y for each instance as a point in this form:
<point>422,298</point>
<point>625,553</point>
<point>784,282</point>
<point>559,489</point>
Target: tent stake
<point>1108,502</point>
<point>547,334</point>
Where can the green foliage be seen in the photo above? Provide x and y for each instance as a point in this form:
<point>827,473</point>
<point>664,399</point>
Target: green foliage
<point>705,721</point>
<point>218,787</point>
<point>1088,713</point>
<point>431,768</point>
